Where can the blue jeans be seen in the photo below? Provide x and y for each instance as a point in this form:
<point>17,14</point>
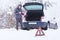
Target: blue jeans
<point>18,20</point>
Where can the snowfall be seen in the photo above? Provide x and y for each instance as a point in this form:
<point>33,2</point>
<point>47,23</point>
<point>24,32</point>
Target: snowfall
<point>50,34</point>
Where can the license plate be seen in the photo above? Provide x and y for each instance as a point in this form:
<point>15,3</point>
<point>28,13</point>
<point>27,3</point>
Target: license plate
<point>32,22</point>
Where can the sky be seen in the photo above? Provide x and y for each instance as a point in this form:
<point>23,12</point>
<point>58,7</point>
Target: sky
<point>50,34</point>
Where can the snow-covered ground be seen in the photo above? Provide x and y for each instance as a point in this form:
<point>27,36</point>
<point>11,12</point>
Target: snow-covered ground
<point>50,34</point>
<point>12,34</point>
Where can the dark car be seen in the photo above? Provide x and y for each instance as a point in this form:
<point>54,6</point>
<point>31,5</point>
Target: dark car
<point>33,16</point>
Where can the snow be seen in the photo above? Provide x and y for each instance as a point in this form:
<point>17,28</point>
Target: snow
<point>13,34</point>
<point>50,34</point>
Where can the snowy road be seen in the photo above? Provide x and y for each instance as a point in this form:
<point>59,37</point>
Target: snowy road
<point>12,34</point>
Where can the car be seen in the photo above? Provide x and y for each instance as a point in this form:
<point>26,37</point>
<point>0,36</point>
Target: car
<point>33,16</point>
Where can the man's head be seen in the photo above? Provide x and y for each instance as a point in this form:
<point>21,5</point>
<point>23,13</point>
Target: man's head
<point>20,5</point>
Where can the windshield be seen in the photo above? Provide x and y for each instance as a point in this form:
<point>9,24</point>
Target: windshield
<point>34,7</point>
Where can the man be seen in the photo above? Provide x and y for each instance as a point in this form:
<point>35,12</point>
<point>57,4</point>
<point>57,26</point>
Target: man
<point>18,13</point>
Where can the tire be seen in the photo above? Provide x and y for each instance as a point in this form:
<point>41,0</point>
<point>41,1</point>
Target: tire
<point>45,28</point>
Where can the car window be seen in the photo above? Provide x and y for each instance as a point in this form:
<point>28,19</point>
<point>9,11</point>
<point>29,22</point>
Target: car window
<point>34,7</point>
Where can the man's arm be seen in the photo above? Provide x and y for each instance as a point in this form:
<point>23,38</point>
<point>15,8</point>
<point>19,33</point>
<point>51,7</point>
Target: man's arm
<point>21,11</point>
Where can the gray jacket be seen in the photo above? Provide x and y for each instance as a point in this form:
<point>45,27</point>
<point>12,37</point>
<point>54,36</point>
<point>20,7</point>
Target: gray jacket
<point>18,15</point>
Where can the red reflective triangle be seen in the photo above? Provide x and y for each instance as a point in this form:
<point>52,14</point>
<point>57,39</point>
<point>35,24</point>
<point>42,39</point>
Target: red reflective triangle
<point>39,32</point>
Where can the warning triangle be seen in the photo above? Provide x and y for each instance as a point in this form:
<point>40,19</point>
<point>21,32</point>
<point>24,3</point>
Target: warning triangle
<point>39,32</point>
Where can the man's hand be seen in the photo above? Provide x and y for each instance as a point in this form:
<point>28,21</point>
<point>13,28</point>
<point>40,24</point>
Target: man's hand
<point>19,12</point>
